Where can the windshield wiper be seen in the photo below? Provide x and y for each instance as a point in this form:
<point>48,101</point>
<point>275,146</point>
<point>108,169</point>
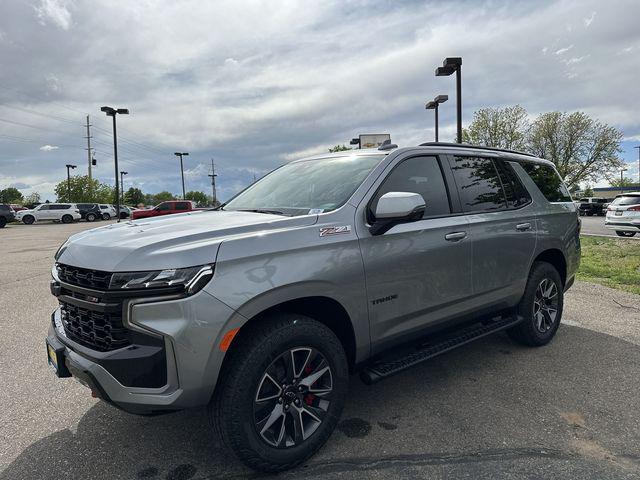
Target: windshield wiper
<point>263,210</point>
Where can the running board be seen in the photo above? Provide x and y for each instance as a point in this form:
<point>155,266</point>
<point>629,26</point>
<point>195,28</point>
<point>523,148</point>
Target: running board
<point>391,365</point>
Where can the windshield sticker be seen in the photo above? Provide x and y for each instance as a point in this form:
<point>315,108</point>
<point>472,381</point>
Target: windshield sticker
<point>315,211</point>
<point>337,230</point>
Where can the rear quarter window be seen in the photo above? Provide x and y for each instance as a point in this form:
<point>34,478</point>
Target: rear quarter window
<point>548,181</point>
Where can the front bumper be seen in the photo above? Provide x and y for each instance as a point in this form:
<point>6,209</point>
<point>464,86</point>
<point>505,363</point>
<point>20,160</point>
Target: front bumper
<point>177,368</point>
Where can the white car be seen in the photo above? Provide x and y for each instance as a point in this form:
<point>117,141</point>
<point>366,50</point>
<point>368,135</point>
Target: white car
<point>108,211</point>
<point>57,212</point>
<point>623,214</point>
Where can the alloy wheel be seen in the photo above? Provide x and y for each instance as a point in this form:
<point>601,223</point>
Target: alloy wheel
<point>292,397</point>
<point>545,305</point>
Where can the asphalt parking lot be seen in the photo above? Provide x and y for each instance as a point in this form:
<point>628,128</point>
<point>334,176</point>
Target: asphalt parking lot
<point>491,409</point>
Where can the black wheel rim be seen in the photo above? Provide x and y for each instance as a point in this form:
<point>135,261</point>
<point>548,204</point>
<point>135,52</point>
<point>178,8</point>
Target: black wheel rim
<point>292,397</point>
<point>545,305</point>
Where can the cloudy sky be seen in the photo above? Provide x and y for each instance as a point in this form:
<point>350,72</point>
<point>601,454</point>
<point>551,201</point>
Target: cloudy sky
<point>254,84</point>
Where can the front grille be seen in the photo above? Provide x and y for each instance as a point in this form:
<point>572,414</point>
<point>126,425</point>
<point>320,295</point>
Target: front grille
<point>83,277</point>
<point>96,330</point>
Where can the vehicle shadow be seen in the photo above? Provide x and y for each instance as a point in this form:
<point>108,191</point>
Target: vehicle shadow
<point>487,408</point>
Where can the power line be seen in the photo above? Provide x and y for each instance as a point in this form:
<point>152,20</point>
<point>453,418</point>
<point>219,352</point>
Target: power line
<point>32,126</point>
<point>45,115</point>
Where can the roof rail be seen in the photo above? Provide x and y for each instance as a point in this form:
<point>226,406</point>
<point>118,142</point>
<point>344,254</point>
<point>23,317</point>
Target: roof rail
<point>475,147</point>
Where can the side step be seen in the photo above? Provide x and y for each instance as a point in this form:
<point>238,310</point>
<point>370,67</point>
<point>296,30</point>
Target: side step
<point>391,365</point>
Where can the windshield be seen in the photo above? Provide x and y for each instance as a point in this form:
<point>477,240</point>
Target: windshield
<point>627,200</point>
<point>310,186</point>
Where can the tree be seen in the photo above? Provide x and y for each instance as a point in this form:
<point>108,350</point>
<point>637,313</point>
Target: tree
<point>134,196</point>
<point>626,182</point>
<point>200,199</point>
<point>583,149</point>
<point>84,190</point>
<point>11,195</point>
<point>155,198</point>
<point>338,148</point>
<point>498,127</point>
<point>32,198</point>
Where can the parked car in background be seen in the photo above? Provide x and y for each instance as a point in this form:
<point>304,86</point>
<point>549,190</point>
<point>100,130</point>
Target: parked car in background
<point>17,208</point>
<point>623,214</point>
<point>6,214</point>
<point>165,208</point>
<point>592,206</point>
<point>108,211</point>
<point>90,211</point>
<point>125,211</point>
<point>57,212</point>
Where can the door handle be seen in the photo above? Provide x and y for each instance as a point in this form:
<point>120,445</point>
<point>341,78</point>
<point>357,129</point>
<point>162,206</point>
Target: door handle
<point>455,236</point>
<point>522,227</point>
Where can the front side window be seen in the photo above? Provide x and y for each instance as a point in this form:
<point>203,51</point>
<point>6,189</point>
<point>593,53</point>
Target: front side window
<point>418,175</point>
<point>548,181</point>
<point>478,183</point>
<point>43,207</point>
<point>310,186</point>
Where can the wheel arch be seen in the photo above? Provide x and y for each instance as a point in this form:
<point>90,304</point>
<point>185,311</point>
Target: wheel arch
<point>555,257</point>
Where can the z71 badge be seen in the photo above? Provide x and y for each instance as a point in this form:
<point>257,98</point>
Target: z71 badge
<point>326,231</point>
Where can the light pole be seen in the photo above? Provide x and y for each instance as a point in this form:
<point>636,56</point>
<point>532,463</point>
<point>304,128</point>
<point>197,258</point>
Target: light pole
<point>69,167</point>
<point>180,154</point>
<point>122,174</point>
<point>638,147</point>
<point>622,170</point>
<point>112,112</point>
<point>433,105</point>
<point>449,66</point>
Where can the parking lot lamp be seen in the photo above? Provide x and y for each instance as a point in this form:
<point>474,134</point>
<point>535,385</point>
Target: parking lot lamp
<point>69,167</point>
<point>622,170</point>
<point>122,174</point>
<point>449,66</point>
<point>433,105</point>
<point>112,112</point>
<point>181,154</point>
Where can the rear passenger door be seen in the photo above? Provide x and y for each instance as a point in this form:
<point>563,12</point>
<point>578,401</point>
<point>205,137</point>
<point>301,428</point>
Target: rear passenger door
<point>182,207</point>
<point>502,227</point>
<point>416,273</point>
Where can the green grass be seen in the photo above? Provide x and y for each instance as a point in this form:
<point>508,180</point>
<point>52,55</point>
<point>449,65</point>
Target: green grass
<point>612,262</point>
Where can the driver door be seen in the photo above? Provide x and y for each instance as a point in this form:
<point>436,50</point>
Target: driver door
<point>416,273</point>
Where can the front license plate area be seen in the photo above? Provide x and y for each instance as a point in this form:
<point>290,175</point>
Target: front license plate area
<point>56,359</point>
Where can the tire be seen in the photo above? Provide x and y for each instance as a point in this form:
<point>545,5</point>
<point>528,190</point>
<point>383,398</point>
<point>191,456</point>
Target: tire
<point>28,219</point>
<point>67,219</point>
<point>533,331</point>
<point>123,215</point>
<point>622,233</point>
<point>106,216</point>
<point>235,411</point>
<point>91,217</point>
<point>3,222</point>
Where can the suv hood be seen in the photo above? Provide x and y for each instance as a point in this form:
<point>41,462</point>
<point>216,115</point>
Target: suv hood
<point>170,241</point>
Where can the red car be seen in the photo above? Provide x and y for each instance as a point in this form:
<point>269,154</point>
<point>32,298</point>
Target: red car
<point>165,208</point>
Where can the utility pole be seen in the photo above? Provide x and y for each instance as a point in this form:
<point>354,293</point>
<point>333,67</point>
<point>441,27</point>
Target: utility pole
<point>88,137</point>
<point>122,174</point>
<point>213,183</point>
<point>181,154</point>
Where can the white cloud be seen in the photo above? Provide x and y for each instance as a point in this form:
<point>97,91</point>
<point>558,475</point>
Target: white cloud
<point>564,50</point>
<point>589,20</point>
<point>48,148</point>
<point>54,11</point>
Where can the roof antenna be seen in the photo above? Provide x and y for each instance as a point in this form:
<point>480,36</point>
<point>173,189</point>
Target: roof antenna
<point>387,145</point>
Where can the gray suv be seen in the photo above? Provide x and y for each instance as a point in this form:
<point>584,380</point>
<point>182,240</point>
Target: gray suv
<point>367,261</point>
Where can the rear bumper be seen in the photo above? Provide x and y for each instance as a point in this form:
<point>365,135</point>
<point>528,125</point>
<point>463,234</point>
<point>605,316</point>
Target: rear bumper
<point>180,372</point>
<point>624,226</point>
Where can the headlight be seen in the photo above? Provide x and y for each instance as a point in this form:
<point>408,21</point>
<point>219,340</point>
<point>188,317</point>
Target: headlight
<point>192,279</point>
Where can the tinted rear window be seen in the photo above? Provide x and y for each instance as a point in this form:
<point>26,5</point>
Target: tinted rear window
<point>548,181</point>
<point>182,206</point>
<point>478,183</point>
<point>626,200</point>
<point>515,193</point>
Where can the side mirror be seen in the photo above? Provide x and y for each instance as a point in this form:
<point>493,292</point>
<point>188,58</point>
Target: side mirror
<point>397,207</point>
